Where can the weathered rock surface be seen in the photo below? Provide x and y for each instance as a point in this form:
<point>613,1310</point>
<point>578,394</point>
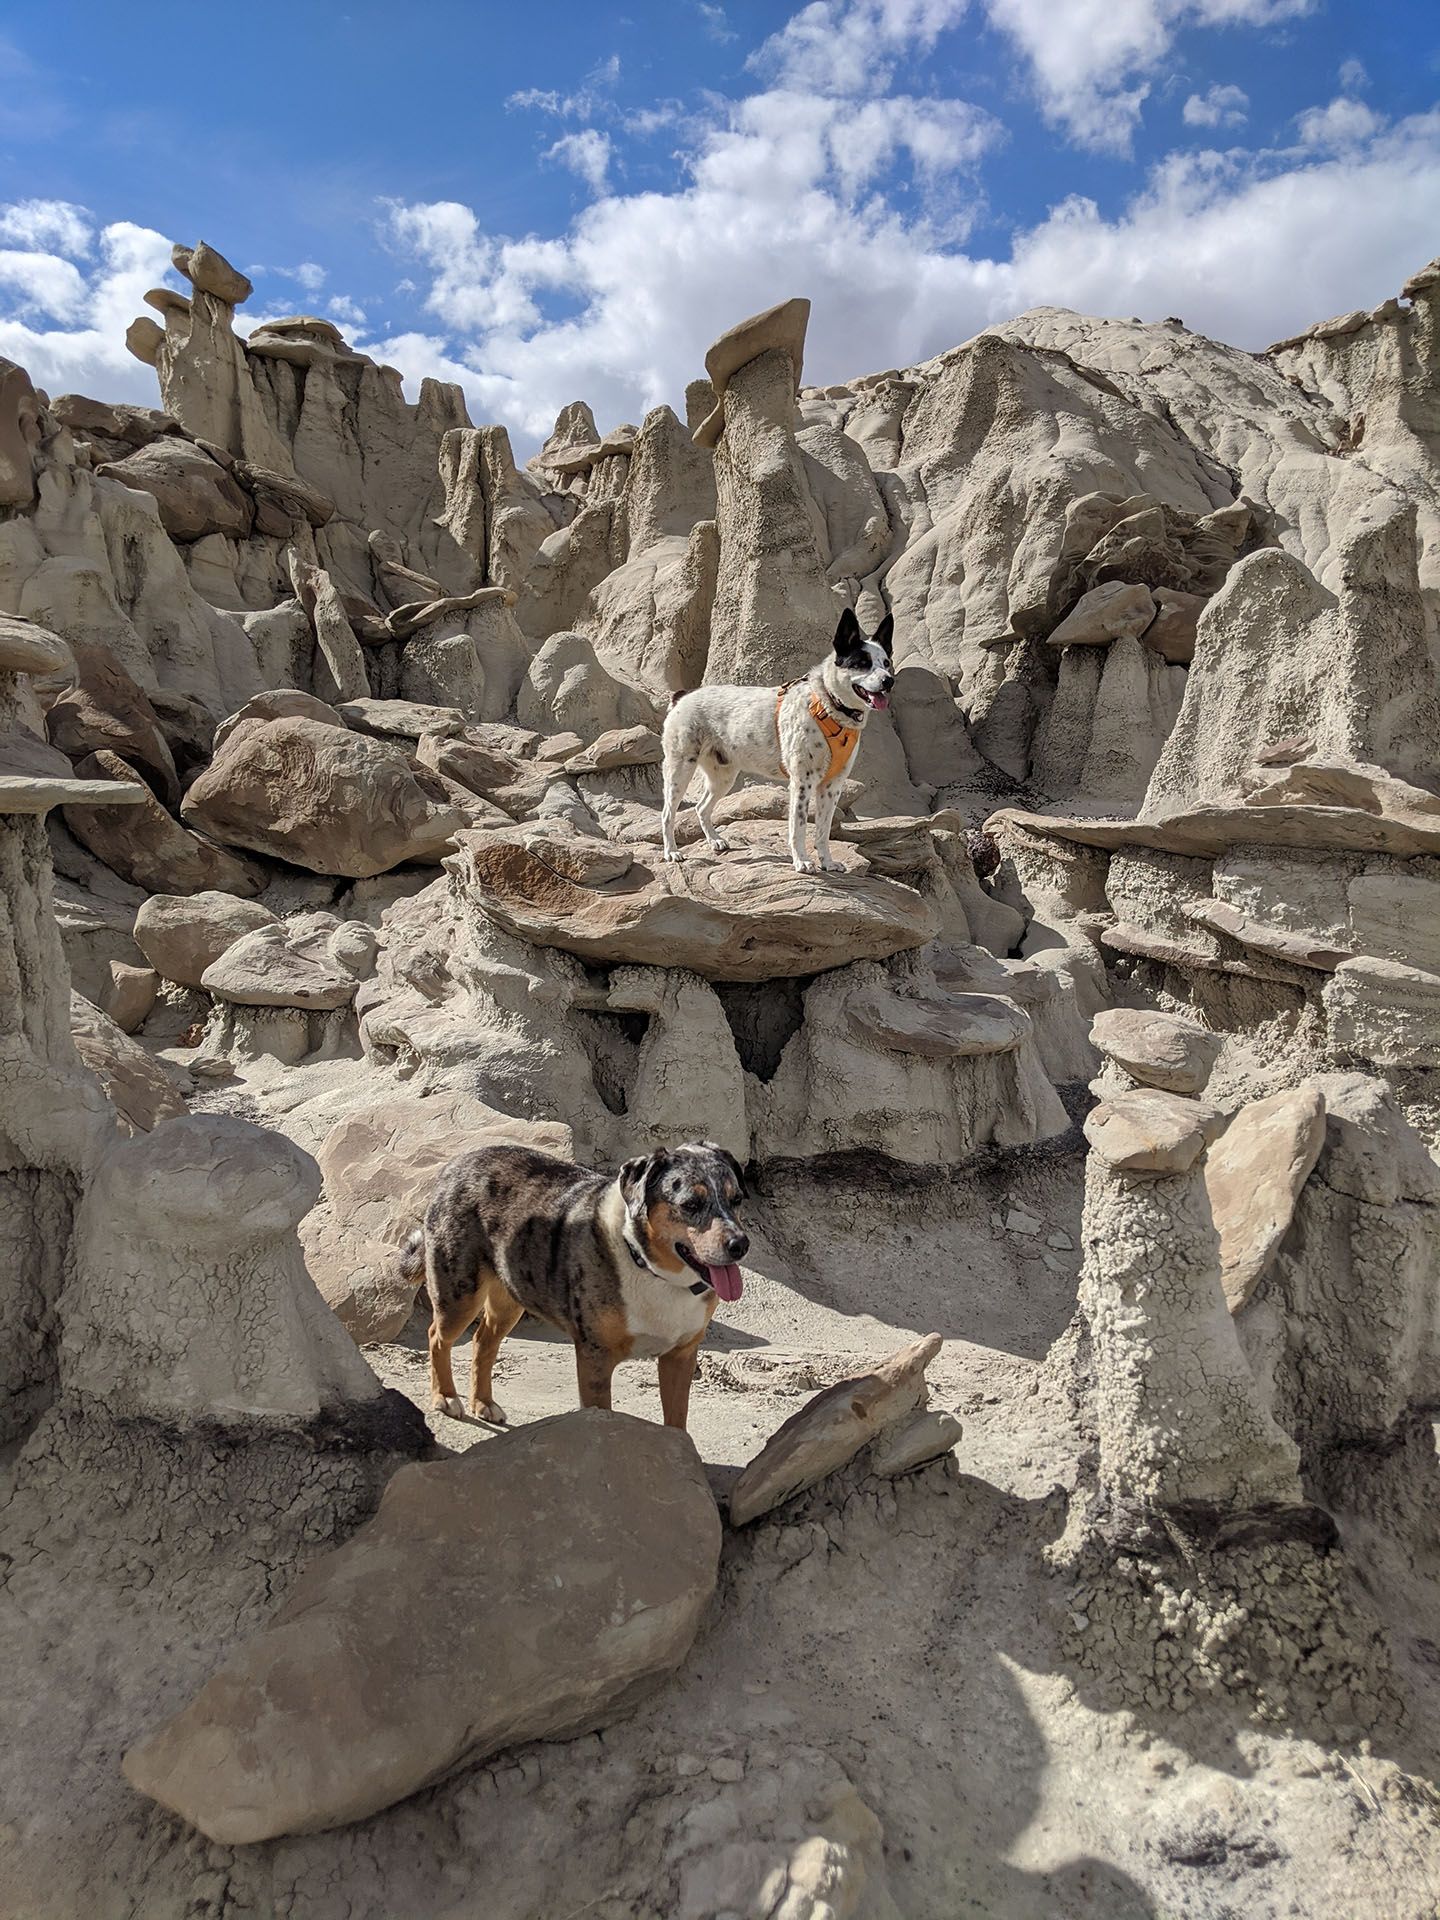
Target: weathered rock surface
<point>1253,1176</point>
<point>182,934</point>
<point>136,1085</point>
<point>534,1587</point>
<point>746,916</point>
<point>321,798</point>
<point>1151,1132</point>
<point>1157,1049</point>
<point>831,1429</point>
<point>148,847</point>
<point>274,966</point>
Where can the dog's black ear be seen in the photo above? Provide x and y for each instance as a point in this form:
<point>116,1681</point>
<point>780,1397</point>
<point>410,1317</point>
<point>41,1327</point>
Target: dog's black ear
<point>847,633</point>
<point>738,1171</point>
<point>635,1181</point>
<point>884,634</point>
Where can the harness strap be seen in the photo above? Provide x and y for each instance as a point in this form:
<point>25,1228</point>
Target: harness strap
<point>842,739</point>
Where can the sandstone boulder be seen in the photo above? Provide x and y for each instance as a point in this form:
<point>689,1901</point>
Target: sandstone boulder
<point>320,797</point>
<point>274,967</point>
<point>534,1587</point>
<point>1157,1049</point>
<point>136,1085</point>
<point>1115,611</point>
<point>107,708</point>
<point>1254,1174</point>
<point>831,1429</point>
<point>279,703</point>
<point>195,494</point>
<point>1151,1132</point>
<point>148,846</point>
<point>182,934</point>
<point>1172,632</point>
<point>746,916</point>
<point>130,995</point>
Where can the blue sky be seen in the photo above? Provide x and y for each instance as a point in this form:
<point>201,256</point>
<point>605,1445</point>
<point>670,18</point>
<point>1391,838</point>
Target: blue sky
<point>571,201</point>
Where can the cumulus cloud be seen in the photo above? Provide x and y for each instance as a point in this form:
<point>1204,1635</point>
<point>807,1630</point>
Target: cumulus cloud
<point>1091,60</point>
<point>309,274</point>
<point>851,46</point>
<point>346,311</point>
<point>586,153</point>
<point>1353,75</point>
<point>47,224</point>
<point>1344,123</point>
<point>1245,248</point>
<point>1217,107</point>
<point>96,298</point>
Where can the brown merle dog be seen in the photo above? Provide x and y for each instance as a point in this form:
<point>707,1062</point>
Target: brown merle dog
<point>629,1267</point>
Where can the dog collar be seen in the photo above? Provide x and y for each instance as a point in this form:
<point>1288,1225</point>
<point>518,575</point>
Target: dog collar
<point>697,1286</point>
<point>850,713</point>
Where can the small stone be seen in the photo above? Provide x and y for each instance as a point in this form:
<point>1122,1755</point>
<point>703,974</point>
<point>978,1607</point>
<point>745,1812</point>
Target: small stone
<point>1061,1241</point>
<point>728,1773</point>
<point>1018,1221</point>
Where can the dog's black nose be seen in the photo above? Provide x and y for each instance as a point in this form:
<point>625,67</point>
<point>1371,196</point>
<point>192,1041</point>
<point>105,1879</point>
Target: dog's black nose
<point>737,1246</point>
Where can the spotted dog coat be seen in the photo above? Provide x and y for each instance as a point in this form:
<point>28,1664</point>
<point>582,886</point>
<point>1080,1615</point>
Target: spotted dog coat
<point>806,733</point>
<point>629,1268</point>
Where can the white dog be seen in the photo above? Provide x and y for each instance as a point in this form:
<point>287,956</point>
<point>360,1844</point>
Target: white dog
<point>806,733</point>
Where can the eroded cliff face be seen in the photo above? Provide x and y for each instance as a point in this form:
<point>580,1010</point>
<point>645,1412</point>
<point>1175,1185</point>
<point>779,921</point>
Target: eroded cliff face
<point>330,776</point>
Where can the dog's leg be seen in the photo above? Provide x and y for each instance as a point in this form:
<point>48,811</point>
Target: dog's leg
<point>447,1323</point>
<point>825,807</point>
<point>500,1312</point>
<point>677,1370</point>
<point>801,790</point>
<point>718,782</point>
<point>594,1369</point>
<point>679,772</point>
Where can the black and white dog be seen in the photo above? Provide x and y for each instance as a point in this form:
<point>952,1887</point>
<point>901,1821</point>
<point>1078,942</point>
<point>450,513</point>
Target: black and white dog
<point>806,733</point>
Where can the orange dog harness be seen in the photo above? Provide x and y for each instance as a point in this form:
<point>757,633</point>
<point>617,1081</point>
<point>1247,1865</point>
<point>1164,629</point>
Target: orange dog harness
<point>842,739</point>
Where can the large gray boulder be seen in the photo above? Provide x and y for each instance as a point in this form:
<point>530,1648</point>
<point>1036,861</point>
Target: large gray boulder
<point>320,797</point>
<point>533,1588</point>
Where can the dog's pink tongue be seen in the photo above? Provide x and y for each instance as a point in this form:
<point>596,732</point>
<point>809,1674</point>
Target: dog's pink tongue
<point>726,1282</point>
<point>879,699</point>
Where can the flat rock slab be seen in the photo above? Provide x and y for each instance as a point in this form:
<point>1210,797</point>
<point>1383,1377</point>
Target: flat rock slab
<point>745,916</point>
<point>1151,1132</point>
<point>1215,829</point>
<point>532,1588</point>
<point>1254,1175</point>
<point>267,968</point>
<point>934,1024</point>
<point>1157,1049</point>
<point>832,1428</point>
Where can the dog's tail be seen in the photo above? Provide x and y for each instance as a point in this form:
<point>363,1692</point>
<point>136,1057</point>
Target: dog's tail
<point>412,1258</point>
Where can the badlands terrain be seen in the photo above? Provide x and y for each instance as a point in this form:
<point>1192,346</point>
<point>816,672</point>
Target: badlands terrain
<point>1059,1533</point>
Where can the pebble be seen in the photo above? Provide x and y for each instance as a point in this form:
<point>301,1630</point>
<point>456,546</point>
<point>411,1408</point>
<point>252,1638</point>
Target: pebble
<point>729,1773</point>
<point>1061,1242</point>
<point>1018,1221</point>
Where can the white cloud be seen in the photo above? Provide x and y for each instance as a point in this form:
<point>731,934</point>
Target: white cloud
<point>43,283</point>
<point>89,354</point>
<point>586,153</point>
<point>716,23</point>
<point>850,46</point>
<point>583,104</point>
<point>47,223</point>
<point>309,274</point>
<point>1344,123</point>
<point>1090,59</point>
<point>1353,75</point>
<point>345,310</point>
<point>1217,107</point>
<point>1245,249</point>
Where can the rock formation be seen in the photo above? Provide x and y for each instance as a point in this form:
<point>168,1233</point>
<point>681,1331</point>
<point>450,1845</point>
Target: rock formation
<point>1093,1098</point>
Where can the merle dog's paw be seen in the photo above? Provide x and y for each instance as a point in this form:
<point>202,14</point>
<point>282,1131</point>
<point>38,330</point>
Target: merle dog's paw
<point>827,865</point>
<point>453,1405</point>
<point>491,1412</point>
<point>803,866</point>
<point>672,853</point>
<point>720,844</point>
